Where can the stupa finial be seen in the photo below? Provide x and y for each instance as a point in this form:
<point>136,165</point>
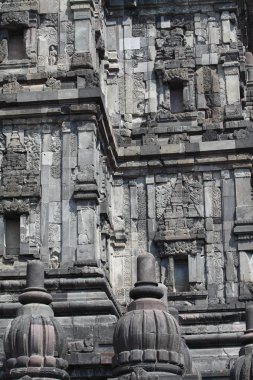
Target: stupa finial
<point>34,336</point>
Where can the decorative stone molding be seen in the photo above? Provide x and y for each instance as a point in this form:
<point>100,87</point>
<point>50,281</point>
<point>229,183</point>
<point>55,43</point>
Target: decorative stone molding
<point>16,206</point>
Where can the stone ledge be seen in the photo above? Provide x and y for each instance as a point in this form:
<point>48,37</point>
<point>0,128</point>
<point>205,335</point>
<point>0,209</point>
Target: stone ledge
<point>187,295</point>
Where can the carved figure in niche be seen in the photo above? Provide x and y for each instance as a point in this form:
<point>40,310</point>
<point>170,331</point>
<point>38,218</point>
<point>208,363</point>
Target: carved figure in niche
<point>54,260</point>
<point>52,59</point>
<point>2,142</point>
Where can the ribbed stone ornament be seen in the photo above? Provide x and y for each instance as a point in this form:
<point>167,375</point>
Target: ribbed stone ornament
<point>34,342</point>
<point>243,366</point>
<point>143,330</point>
<point>147,335</point>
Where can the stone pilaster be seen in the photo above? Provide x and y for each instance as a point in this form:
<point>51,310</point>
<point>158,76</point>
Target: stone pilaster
<point>86,195</point>
<point>85,49</point>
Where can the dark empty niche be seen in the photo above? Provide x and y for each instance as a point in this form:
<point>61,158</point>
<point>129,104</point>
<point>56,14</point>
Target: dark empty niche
<point>12,235</point>
<point>176,97</point>
<point>16,45</point>
<point>181,274</point>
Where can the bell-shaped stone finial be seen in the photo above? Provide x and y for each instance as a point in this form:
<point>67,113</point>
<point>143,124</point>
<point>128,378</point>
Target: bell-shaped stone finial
<point>243,366</point>
<point>34,342</point>
<point>147,336</point>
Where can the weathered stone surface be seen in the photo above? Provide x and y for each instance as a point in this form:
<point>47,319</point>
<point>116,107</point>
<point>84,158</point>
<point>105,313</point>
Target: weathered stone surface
<point>126,127</point>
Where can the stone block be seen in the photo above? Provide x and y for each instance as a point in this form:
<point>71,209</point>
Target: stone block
<point>163,355</point>
<point>106,357</point>
<point>246,266</point>
<point>165,22</point>
<point>124,357</point>
<point>244,212</point>
<point>48,6</point>
<point>130,43</point>
<point>209,224</point>
<point>136,356</point>
<point>149,355</point>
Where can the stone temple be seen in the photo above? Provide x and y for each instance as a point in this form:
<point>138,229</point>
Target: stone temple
<point>126,202</point>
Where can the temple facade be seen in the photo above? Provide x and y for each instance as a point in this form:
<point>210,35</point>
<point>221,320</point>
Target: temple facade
<point>126,131</point>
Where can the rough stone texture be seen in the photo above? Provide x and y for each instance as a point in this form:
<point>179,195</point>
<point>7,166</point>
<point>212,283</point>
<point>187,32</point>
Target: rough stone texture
<point>127,127</point>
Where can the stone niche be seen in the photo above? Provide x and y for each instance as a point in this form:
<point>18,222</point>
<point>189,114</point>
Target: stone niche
<point>180,233</point>
<point>19,195</point>
<point>18,37</point>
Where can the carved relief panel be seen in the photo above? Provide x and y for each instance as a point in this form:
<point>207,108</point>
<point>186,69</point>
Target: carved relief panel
<point>180,230</point>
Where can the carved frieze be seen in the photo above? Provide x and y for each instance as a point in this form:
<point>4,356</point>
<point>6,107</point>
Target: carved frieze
<point>16,206</point>
<point>11,85</point>
<point>15,18</point>
<point>176,74</point>
<point>19,5</point>
<point>184,247</point>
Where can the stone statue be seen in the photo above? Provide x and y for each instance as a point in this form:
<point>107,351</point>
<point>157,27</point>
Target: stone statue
<point>52,59</point>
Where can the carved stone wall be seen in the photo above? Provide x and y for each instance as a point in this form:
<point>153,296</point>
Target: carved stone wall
<point>127,127</point>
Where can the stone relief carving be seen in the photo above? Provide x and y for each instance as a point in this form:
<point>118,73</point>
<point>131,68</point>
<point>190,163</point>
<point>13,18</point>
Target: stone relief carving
<point>54,233</point>
<point>85,345</point>
<point>208,88</point>
<point>215,269</point>
<point>54,260</point>
<point>49,35</point>
<point>139,93</point>
<point>2,142</point>
<point>180,208</point>
<point>15,18</point>
<point>52,84</point>
<point>16,206</point>
<point>33,146</point>
<point>3,49</point>
<point>52,59</point>
<point>163,193</point>
<point>70,38</point>
<point>105,238</point>
<point>56,149</point>
<point>176,74</point>
<point>11,85</point>
<point>177,248</point>
<point>17,180</point>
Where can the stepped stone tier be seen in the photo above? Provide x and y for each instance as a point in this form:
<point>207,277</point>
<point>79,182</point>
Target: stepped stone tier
<point>126,127</point>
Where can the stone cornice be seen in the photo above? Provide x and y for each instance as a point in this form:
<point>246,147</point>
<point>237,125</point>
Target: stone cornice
<point>175,6</point>
<point>80,104</point>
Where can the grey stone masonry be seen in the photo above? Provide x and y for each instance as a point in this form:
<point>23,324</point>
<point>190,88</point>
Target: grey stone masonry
<point>126,127</point>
